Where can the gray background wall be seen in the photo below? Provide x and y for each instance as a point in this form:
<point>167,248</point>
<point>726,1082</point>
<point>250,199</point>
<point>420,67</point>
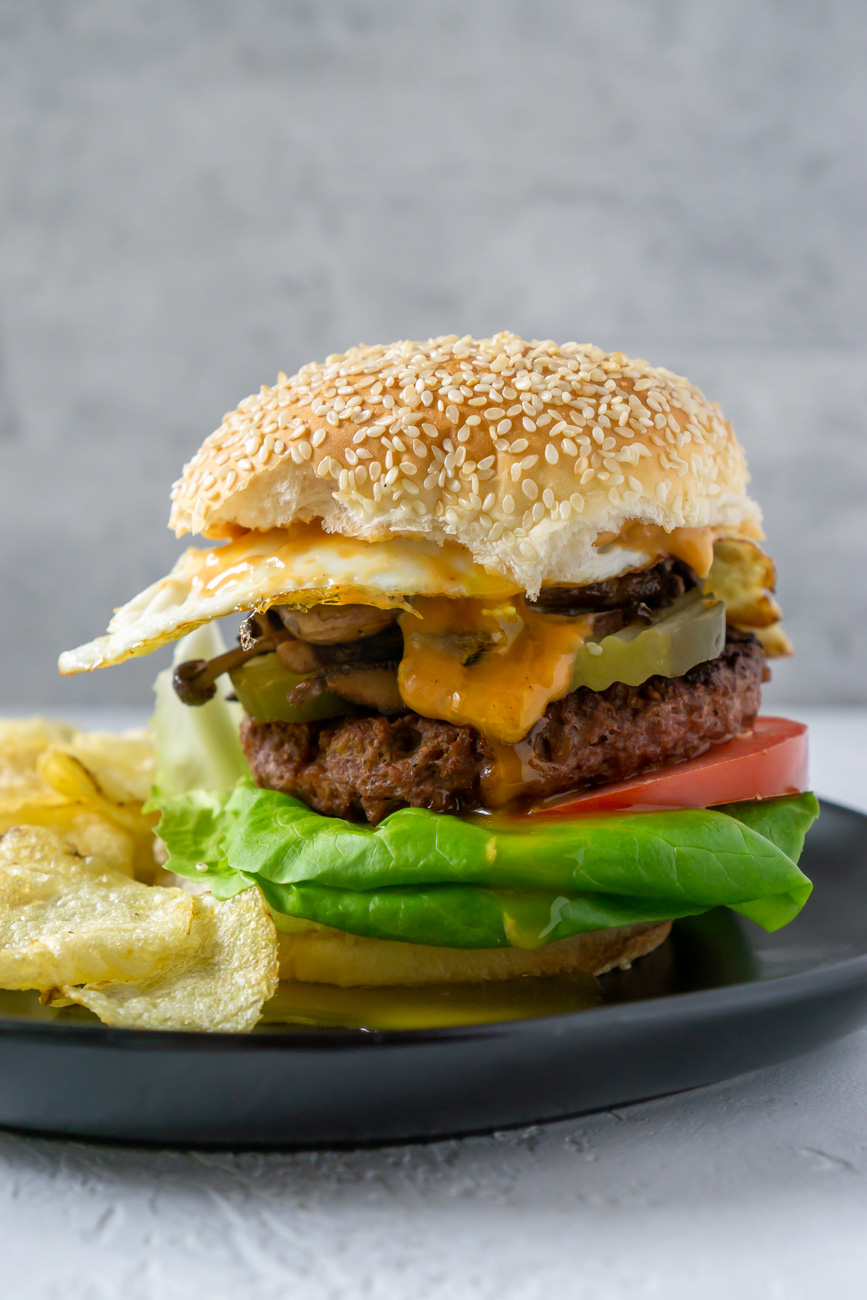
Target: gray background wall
<point>196,195</point>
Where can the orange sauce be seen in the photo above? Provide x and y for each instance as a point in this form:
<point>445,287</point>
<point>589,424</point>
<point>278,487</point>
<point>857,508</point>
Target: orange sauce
<point>692,545</point>
<point>524,661</point>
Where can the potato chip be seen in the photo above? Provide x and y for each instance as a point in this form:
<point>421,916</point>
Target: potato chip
<point>220,984</point>
<point>68,919</point>
<point>38,807</point>
<point>744,576</point>
<point>123,765</point>
<point>93,837</point>
<point>86,785</point>
<point>66,776</point>
<point>22,740</point>
<point>775,642</point>
<point>86,832</point>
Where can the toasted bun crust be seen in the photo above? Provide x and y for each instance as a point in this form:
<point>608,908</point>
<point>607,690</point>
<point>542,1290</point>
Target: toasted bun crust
<point>522,452</point>
<point>331,957</point>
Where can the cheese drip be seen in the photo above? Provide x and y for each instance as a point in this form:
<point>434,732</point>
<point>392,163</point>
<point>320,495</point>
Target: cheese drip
<point>493,667</point>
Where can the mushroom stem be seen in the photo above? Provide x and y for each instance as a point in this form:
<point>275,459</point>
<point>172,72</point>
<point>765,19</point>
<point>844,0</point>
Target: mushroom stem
<point>194,682</point>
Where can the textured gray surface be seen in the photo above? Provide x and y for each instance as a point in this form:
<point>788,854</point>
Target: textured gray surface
<point>196,196</point>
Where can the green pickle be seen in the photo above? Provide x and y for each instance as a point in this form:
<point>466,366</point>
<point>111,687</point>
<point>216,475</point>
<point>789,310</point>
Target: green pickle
<point>687,633</point>
<point>263,685</point>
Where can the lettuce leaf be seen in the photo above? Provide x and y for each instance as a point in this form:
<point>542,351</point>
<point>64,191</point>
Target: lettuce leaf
<point>425,877</point>
<point>197,748</point>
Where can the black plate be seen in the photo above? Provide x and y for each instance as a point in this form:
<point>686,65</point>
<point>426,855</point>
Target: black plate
<point>719,998</point>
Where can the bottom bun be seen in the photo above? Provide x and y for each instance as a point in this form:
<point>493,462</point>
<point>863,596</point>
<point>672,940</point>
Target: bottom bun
<point>322,956</point>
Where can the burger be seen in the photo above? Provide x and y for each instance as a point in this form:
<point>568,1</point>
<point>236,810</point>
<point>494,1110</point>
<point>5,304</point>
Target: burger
<point>494,706</point>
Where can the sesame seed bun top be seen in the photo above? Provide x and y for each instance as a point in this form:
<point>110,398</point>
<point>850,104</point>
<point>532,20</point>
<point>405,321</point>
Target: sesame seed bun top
<point>522,452</point>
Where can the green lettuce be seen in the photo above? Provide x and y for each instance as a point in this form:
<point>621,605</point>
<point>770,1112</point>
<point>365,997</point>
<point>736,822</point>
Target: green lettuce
<point>197,748</point>
<point>425,877</point>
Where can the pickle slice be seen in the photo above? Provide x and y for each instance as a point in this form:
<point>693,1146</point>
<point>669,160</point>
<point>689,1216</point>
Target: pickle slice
<point>263,685</point>
<point>687,633</point>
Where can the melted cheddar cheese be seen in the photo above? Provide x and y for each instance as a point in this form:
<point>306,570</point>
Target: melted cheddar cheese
<point>494,667</point>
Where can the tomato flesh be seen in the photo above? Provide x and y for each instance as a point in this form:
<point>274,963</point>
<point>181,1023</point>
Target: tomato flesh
<point>769,761</point>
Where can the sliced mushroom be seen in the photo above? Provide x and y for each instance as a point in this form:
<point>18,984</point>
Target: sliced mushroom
<point>301,657</point>
<point>332,624</point>
<point>298,657</point>
<point>372,687</point>
<point>380,648</point>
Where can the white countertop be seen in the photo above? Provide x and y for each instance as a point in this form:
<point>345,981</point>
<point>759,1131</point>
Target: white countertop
<point>752,1188</point>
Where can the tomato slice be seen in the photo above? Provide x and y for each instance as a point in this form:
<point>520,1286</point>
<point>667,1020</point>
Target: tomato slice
<point>770,760</point>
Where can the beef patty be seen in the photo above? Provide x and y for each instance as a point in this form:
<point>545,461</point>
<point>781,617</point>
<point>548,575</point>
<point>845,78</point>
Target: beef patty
<point>363,767</point>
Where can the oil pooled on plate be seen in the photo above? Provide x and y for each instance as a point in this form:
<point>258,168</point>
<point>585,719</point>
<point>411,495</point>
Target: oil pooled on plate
<point>433,1006</point>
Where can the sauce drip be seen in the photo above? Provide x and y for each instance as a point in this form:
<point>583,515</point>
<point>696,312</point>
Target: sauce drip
<point>513,772</point>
